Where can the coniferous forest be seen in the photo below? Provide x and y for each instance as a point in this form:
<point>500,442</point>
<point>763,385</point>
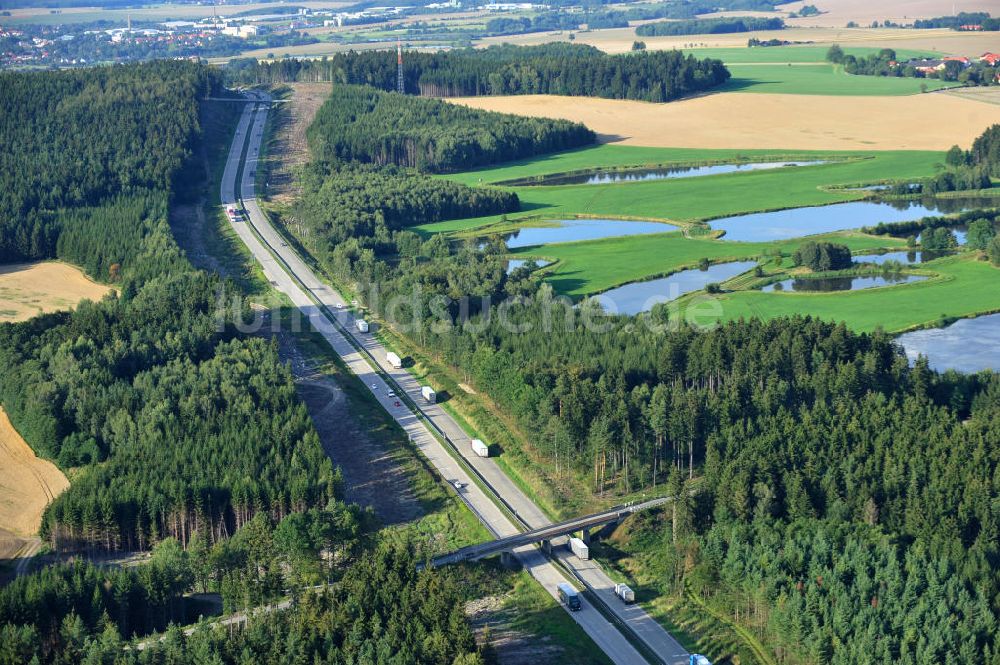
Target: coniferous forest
<point>360,123</point>
<point>180,436</point>
<point>845,496</point>
<point>167,414</point>
<point>554,69</point>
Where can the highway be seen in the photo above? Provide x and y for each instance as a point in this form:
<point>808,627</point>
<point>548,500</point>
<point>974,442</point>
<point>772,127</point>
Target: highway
<point>546,533</point>
<point>292,276</point>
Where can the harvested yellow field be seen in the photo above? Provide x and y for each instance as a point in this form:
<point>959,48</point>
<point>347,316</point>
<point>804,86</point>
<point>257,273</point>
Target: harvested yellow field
<point>29,289</point>
<point>838,12</point>
<point>797,122</point>
<point>27,483</point>
<point>619,40</point>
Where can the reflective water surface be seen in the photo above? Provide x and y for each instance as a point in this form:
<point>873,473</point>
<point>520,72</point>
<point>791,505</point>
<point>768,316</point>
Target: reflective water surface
<point>610,176</point>
<point>842,283</point>
<point>641,296</point>
<point>969,345</point>
<point>798,222</point>
<point>567,230</point>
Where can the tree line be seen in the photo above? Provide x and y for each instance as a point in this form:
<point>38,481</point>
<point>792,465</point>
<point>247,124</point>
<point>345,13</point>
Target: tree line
<point>957,21</point>
<point>709,26</point>
<point>557,69</point>
<point>344,201</point>
<point>360,123</point>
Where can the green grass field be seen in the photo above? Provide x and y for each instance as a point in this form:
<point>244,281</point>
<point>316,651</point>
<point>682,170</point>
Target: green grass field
<point>966,286</point>
<point>803,70</point>
<point>690,199</point>
<point>586,268</point>
<point>963,286</point>
<point>825,79</point>
<point>783,54</point>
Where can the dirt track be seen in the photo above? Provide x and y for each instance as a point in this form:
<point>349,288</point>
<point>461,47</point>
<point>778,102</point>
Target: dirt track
<point>797,122</point>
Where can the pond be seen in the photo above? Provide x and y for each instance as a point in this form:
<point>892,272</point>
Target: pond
<point>567,230</point>
<point>969,345</point>
<point>899,257</point>
<point>856,283</point>
<point>798,222</point>
<point>611,176</point>
<point>641,296</point>
<point>514,264</point>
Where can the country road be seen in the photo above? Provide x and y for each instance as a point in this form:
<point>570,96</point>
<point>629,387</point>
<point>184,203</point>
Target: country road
<point>320,304</point>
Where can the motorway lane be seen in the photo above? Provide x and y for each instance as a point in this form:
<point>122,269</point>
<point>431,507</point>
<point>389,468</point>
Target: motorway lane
<point>655,636</point>
<point>606,636</point>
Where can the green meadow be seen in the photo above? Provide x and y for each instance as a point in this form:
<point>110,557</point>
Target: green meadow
<point>965,286</point>
<point>587,268</point>
<point>961,286</point>
<point>824,79</point>
<point>794,54</point>
<point>685,200</point>
<point>803,70</point>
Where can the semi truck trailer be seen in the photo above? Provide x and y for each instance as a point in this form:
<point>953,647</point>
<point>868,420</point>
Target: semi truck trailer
<point>394,360</point>
<point>625,593</point>
<point>579,548</point>
<point>428,394</point>
<point>569,597</point>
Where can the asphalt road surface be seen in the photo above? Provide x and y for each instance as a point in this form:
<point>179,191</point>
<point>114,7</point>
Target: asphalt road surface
<point>297,280</point>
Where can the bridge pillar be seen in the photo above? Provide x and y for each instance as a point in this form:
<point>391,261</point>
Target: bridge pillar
<point>585,536</point>
<point>507,559</point>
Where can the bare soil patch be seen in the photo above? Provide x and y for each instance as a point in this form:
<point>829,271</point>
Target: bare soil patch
<point>372,477</point>
<point>491,622</point>
<point>30,289</point>
<point>801,122</point>
<point>289,147</point>
<point>27,483</point>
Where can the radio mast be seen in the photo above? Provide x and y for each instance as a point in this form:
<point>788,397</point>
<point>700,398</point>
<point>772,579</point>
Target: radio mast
<point>399,67</point>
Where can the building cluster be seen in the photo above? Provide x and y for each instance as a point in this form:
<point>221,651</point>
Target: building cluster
<point>931,66</point>
<point>370,15</point>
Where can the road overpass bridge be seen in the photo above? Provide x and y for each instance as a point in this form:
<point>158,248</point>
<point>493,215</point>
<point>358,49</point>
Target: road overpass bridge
<point>244,100</point>
<point>546,534</point>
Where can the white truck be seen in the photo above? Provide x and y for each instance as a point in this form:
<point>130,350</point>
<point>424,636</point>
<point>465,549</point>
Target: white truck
<point>428,394</point>
<point>394,360</point>
<point>480,448</point>
<point>579,548</point>
<point>624,593</point>
<point>361,325</point>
